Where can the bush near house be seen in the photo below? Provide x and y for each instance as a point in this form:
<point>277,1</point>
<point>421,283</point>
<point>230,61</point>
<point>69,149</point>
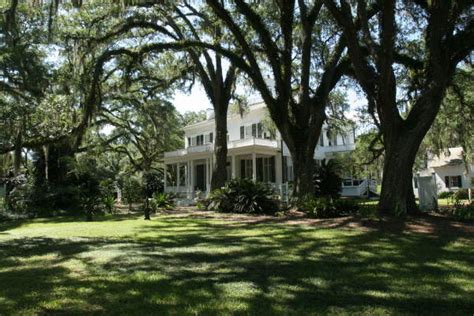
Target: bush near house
<point>462,212</point>
<point>326,207</point>
<point>446,195</point>
<point>243,196</point>
<point>162,201</point>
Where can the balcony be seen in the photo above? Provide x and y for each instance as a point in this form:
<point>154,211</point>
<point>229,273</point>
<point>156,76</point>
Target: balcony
<point>235,144</point>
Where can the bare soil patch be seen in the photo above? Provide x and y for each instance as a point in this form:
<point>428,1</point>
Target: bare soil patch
<point>424,224</point>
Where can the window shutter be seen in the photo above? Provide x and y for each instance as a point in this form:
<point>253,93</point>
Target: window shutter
<point>189,141</point>
<point>459,181</point>
<point>242,132</point>
<point>446,181</point>
<point>254,130</point>
<point>211,137</point>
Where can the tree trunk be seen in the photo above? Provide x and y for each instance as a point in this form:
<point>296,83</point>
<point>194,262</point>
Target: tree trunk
<point>219,174</point>
<point>147,210</point>
<point>303,169</point>
<point>17,154</point>
<point>397,196</point>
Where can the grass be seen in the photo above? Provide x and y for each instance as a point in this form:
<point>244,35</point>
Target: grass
<point>189,266</point>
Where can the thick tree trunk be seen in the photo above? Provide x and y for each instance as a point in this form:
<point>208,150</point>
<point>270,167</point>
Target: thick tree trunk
<point>397,196</point>
<point>219,174</point>
<point>302,156</point>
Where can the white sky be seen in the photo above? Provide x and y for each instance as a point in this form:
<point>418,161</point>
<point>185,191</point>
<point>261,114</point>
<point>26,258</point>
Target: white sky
<point>197,100</point>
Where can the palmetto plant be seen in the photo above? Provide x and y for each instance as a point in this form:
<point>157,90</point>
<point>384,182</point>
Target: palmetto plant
<point>243,196</point>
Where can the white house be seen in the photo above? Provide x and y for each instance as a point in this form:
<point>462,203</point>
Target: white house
<point>252,153</point>
<point>448,170</point>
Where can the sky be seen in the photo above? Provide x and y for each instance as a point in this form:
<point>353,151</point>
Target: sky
<point>197,100</point>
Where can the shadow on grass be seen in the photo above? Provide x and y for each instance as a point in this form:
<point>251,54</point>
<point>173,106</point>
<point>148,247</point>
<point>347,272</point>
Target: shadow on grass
<point>185,266</point>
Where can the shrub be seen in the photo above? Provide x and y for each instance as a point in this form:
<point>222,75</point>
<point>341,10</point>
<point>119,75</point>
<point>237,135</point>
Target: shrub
<point>463,212</point>
<point>243,196</point>
<point>162,201</point>
<point>346,206</point>
<point>461,194</point>
<point>327,181</point>
<point>109,203</point>
<point>326,207</point>
<point>446,195</point>
<point>131,190</point>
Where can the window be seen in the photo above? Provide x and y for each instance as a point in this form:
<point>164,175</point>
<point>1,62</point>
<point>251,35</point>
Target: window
<point>246,168</point>
<point>453,181</point>
<point>285,169</point>
<point>182,175</point>
<point>189,141</point>
<point>254,130</point>
<point>208,138</point>
<point>199,140</point>
<point>332,138</point>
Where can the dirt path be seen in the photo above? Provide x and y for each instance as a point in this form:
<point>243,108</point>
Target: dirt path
<point>426,224</point>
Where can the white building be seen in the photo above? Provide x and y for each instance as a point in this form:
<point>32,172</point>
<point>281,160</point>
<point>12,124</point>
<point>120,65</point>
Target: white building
<point>449,171</point>
<point>252,153</point>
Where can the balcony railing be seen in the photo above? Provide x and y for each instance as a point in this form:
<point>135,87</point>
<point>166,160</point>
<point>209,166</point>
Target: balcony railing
<point>230,145</point>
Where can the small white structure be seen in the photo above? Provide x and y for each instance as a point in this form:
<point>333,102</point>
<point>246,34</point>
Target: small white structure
<point>253,152</point>
<point>448,170</point>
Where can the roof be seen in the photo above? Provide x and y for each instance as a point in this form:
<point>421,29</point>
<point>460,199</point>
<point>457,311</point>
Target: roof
<point>252,106</point>
<point>452,157</point>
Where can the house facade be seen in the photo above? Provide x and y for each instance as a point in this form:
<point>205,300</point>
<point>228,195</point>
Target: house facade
<point>449,171</point>
<point>254,152</point>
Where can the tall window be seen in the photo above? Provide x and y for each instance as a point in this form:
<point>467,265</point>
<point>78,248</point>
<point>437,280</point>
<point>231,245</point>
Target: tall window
<point>246,168</point>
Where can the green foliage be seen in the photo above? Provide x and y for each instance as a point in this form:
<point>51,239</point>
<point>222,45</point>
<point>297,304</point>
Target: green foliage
<point>88,183</point>
<point>19,195</point>
<point>243,196</point>
<point>327,179</point>
<point>161,200</point>
<point>326,207</point>
<point>109,203</point>
<point>461,194</point>
<point>446,195</point>
<point>131,190</point>
<point>463,212</point>
<point>152,183</point>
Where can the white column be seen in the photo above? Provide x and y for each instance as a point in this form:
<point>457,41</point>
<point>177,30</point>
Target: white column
<point>191,173</point>
<point>164,173</point>
<point>254,167</point>
<point>178,177</point>
<point>278,169</point>
<point>188,179</point>
<point>233,175</point>
<point>208,174</point>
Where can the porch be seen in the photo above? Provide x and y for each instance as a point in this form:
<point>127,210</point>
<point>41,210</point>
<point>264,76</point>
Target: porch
<point>191,175</point>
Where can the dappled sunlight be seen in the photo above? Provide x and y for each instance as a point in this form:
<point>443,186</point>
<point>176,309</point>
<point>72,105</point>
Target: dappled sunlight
<point>209,267</point>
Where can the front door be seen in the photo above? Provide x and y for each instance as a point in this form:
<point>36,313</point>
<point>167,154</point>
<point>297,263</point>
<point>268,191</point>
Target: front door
<point>200,178</point>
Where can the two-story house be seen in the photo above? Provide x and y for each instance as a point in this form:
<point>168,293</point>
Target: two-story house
<point>253,152</point>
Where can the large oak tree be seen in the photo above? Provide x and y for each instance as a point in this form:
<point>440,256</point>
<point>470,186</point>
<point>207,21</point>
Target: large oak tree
<point>406,55</point>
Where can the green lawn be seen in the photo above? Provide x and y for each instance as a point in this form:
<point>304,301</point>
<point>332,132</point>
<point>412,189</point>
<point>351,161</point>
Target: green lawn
<point>189,266</point>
